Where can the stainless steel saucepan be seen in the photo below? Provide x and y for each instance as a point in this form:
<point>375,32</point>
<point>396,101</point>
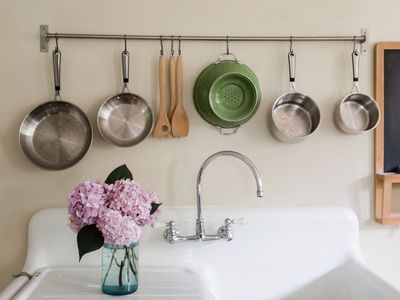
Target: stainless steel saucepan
<point>125,119</point>
<point>56,134</point>
<point>357,113</point>
<point>295,116</point>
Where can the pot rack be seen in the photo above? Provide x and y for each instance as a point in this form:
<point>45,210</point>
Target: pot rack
<point>46,36</point>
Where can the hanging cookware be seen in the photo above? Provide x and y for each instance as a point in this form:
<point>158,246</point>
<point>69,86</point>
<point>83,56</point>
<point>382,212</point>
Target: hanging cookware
<point>56,134</point>
<point>163,125</point>
<point>180,120</point>
<point>227,94</point>
<point>295,116</point>
<point>357,113</point>
<point>125,119</point>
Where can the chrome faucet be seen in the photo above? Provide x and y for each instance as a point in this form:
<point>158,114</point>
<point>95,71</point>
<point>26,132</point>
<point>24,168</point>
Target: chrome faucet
<point>171,234</point>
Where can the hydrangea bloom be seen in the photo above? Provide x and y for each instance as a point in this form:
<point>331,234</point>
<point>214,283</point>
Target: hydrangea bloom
<point>118,229</point>
<point>86,201</point>
<point>130,199</point>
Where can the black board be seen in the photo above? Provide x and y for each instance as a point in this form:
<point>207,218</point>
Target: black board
<point>392,110</point>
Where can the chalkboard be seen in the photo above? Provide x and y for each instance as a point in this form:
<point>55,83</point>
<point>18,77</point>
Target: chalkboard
<point>391,109</point>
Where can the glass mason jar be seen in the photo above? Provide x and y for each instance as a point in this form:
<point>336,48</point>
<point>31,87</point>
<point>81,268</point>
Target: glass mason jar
<point>120,269</point>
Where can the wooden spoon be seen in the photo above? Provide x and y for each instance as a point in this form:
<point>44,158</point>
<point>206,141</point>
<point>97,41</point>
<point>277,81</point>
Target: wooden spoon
<point>172,86</point>
<point>180,121</point>
<point>163,127</point>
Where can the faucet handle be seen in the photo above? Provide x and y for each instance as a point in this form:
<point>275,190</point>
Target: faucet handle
<point>159,225</point>
<point>240,221</point>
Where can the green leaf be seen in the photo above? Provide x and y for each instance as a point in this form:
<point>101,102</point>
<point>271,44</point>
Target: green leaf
<point>89,239</point>
<point>122,172</point>
<point>154,207</point>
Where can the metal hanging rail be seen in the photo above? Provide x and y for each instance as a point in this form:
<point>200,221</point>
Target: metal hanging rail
<point>45,36</point>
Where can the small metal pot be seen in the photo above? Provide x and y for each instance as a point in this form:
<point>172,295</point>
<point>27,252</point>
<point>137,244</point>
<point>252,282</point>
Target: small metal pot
<point>295,116</point>
<point>357,113</point>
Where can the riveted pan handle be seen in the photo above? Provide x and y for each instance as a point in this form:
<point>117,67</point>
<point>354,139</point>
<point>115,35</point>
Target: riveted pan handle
<point>292,68</point>
<point>57,72</point>
<point>125,69</point>
<point>355,59</point>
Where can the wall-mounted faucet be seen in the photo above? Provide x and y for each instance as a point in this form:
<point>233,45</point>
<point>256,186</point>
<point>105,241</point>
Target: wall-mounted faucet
<point>171,234</point>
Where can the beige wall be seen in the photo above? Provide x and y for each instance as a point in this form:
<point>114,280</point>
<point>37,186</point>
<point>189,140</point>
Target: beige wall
<point>328,169</point>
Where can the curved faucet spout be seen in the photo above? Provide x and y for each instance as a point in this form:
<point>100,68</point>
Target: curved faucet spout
<point>260,193</point>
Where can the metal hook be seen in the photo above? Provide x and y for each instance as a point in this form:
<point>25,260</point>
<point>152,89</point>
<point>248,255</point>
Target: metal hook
<point>291,45</point>
<point>227,45</point>
<point>125,43</point>
<point>162,46</point>
<point>56,36</point>
<point>172,45</point>
<point>179,46</point>
<point>354,44</point>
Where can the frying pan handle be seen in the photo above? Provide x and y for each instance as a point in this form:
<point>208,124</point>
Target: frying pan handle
<point>125,66</point>
<point>292,65</point>
<point>355,58</point>
<point>228,131</point>
<point>56,70</point>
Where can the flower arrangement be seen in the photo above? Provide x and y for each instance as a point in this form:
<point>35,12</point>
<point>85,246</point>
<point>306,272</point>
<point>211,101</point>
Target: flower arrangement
<point>111,212</point>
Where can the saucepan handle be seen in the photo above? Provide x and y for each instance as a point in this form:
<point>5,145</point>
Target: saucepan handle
<point>292,70</point>
<point>355,59</point>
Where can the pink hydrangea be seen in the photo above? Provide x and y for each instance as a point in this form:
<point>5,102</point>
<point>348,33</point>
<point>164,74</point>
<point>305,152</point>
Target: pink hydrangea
<point>145,219</point>
<point>118,229</point>
<point>130,199</point>
<point>85,202</point>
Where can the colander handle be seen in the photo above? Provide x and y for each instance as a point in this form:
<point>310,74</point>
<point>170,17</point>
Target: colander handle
<point>125,69</point>
<point>221,57</point>
<point>228,131</point>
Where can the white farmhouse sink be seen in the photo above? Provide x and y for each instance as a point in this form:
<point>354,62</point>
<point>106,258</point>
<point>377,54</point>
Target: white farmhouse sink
<point>282,253</point>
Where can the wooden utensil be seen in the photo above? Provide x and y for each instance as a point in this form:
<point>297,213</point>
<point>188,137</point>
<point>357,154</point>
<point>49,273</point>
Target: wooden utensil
<point>180,121</point>
<point>163,127</point>
<point>172,86</point>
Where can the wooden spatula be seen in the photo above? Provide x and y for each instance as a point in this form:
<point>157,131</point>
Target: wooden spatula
<point>172,86</point>
<point>180,121</point>
<point>163,127</point>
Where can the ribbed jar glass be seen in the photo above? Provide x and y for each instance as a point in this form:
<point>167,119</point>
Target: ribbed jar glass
<point>120,269</point>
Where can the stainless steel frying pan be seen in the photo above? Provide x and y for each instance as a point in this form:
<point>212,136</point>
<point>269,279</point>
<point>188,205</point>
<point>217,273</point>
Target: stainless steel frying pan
<point>56,134</point>
<point>295,116</point>
<point>357,113</point>
<point>125,119</point>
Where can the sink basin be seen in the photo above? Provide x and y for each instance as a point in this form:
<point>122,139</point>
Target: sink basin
<point>282,253</point>
<point>348,281</point>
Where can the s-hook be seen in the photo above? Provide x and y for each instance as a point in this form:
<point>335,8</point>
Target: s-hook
<point>227,45</point>
<point>56,41</point>
<point>172,46</point>
<point>179,46</point>
<point>162,46</point>
<point>125,43</point>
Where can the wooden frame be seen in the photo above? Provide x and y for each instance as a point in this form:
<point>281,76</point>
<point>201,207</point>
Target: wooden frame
<point>383,181</point>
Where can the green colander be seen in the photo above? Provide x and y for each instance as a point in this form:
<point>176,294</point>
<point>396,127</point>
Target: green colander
<point>227,93</point>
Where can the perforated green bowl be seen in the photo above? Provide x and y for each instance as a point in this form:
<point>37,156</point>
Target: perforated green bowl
<point>203,92</point>
<point>233,97</point>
